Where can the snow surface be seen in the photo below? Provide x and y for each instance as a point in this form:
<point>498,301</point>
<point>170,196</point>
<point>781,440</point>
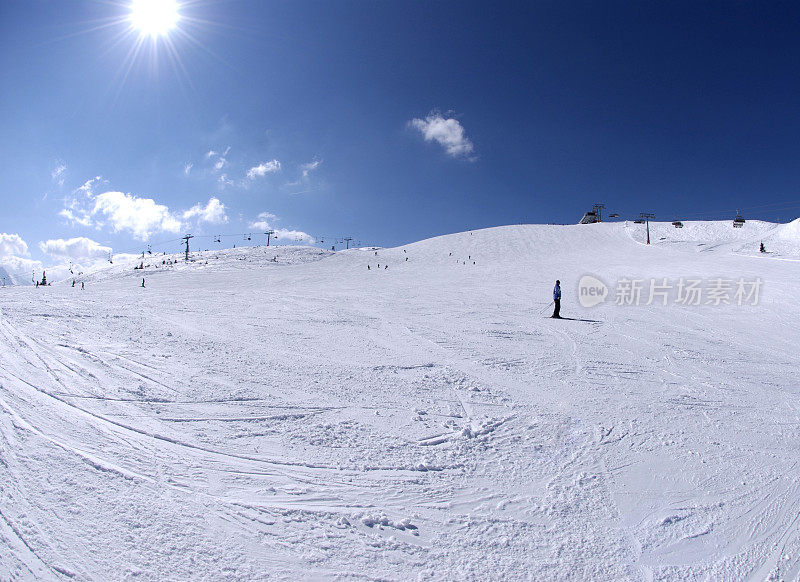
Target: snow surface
<point>286,413</point>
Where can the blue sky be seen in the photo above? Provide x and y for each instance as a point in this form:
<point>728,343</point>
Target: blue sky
<point>386,121</point>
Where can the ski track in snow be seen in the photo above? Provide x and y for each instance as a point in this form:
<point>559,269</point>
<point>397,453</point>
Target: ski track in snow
<point>305,418</point>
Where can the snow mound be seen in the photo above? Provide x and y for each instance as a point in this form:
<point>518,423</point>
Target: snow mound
<point>719,236</point>
<point>234,260</point>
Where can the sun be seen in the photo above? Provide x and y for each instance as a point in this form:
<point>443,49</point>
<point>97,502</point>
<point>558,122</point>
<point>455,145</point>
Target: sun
<point>154,18</point>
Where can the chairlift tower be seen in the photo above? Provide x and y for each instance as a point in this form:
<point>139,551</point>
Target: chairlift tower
<point>186,238</point>
<point>598,209</point>
<point>646,216</point>
<point>347,239</point>
<point>269,233</point>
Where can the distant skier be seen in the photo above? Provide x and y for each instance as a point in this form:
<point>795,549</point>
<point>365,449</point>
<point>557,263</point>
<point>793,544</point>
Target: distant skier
<point>81,285</point>
<point>142,281</point>
<point>762,249</point>
<point>557,300</point>
<point>73,282</point>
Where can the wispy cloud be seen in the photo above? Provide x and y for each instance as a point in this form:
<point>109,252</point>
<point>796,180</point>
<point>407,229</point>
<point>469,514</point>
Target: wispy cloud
<point>263,169</point>
<point>187,168</point>
<point>223,181</point>
<point>305,172</point>
<point>82,218</point>
<point>59,173</point>
<point>447,132</point>
<point>88,186</point>
<point>302,191</point>
<point>310,167</point>
<point>217,159</point>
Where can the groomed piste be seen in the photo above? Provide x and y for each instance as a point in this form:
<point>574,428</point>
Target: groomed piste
<point>411,412</point>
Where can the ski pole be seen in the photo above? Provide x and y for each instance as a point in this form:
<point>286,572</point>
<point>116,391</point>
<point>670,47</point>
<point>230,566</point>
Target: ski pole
<point>546,307</point>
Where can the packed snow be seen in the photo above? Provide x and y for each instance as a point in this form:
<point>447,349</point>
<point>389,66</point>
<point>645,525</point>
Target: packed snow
<point>410,413</point>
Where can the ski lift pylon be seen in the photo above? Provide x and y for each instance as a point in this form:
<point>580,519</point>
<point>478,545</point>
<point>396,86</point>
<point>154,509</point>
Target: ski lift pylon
<point>738,221</point>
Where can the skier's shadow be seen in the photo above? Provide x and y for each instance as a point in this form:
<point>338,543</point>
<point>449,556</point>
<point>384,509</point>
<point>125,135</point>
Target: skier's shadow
<point>579,319</point>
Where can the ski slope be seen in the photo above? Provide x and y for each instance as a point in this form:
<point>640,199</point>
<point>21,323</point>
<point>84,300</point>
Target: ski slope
<point>288,413</point>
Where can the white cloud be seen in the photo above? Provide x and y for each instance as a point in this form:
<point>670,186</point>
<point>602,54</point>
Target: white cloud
<point>263,169</point>
<point>12,244</point>
<point>75,249</point>
<point>447,132</point>
<point>78,209</point>
<point>187,168</point>
<point>262,222</point>
<point>76,217</point>
<point>294,235</point>
<point>14,259</point>
<point>21,269</point>
<point>213,212</point>
<point>140,216</point>
<point>80,252</point>
<point>58,173</point>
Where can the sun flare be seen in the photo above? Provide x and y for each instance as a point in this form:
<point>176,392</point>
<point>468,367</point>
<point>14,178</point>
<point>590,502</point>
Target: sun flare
<point>154,18</point>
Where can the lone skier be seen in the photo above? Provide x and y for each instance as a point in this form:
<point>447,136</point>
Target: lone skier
<point>557,300</point>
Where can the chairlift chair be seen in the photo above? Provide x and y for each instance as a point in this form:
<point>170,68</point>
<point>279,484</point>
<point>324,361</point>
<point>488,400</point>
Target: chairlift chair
<point>738,221</point>
<point>638,221</point>
<point>677,224</point>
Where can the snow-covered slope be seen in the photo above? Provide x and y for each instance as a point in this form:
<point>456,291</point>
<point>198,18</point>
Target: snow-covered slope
<point>290,413</point>
<point>780,240</point>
